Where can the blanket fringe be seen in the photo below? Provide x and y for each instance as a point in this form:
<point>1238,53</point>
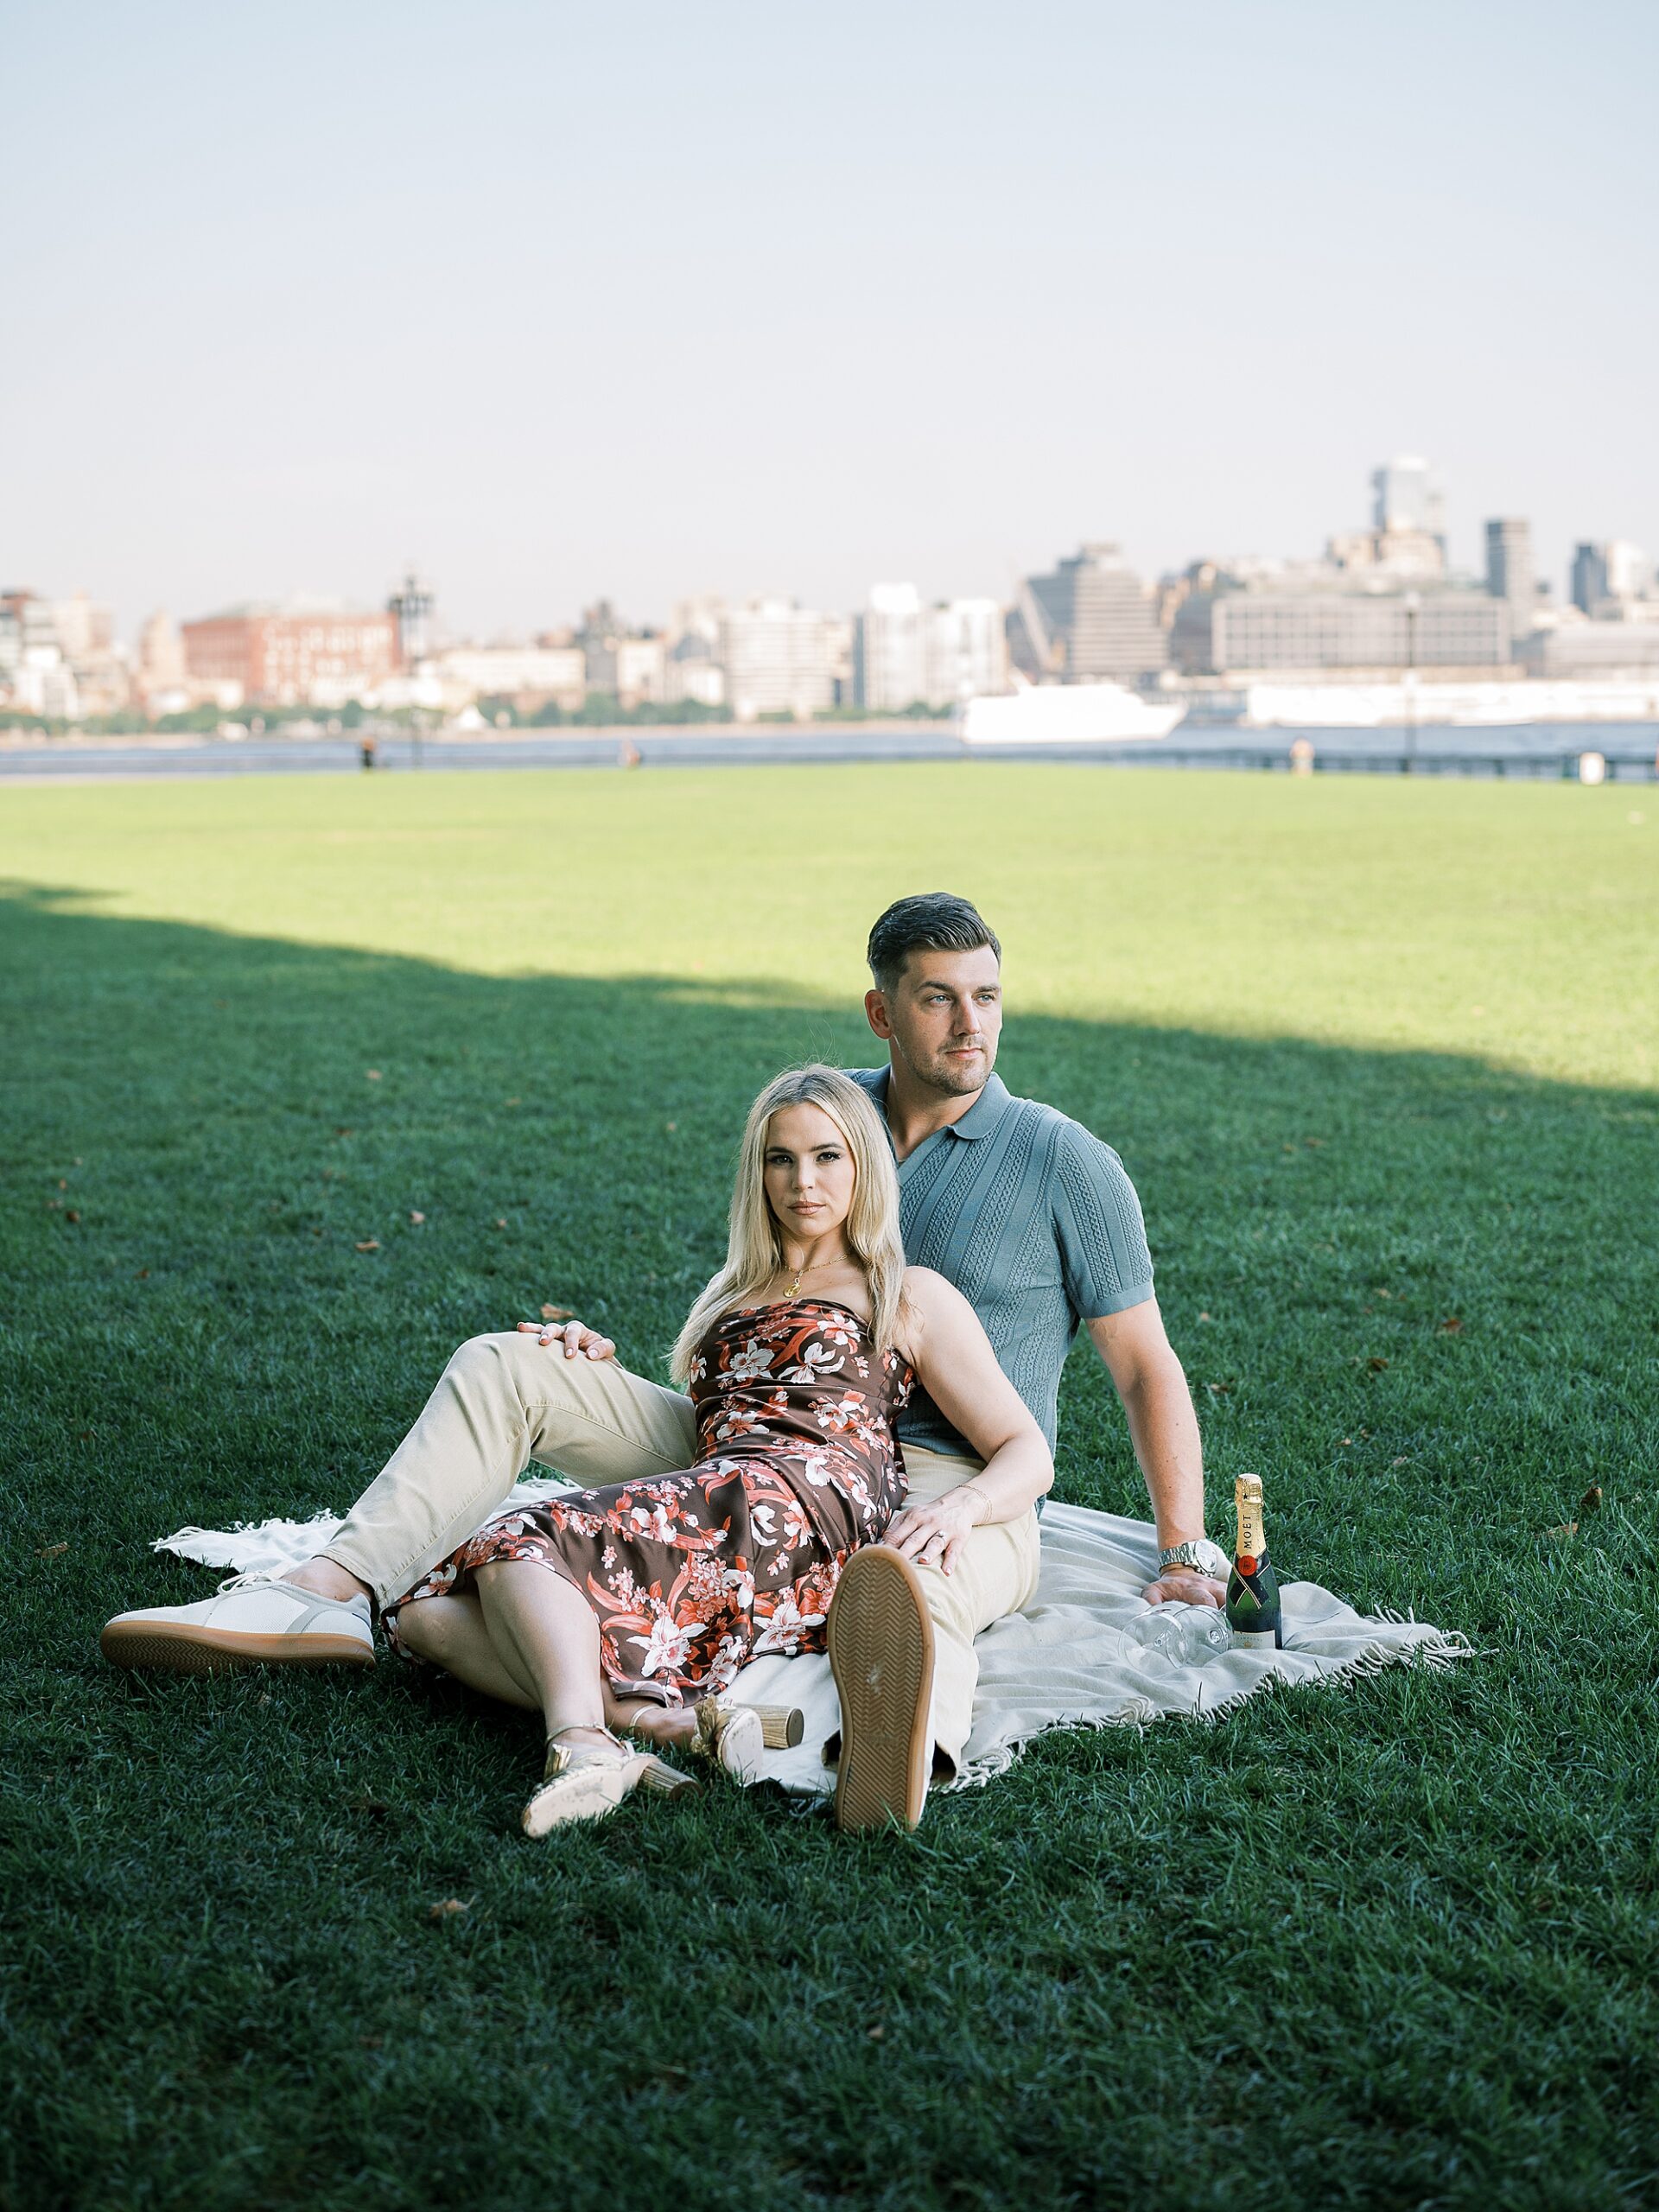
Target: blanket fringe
<point>1437,1652</point>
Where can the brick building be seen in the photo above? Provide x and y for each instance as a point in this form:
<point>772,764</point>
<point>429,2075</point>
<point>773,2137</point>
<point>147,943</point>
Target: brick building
<point>292,655</point>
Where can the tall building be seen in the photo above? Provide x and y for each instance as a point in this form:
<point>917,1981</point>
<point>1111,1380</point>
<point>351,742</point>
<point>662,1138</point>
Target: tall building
<point>1509,571</point>
<point>411,607</point>
<point>966,649</point>
<point>1629,572</point>
<point>776,659</point>
<point>889,656</point>
<point>1614,572</point>
<point>691,670</point>
<point>161,653</point>
<point>1589,577</point>
<point>1092,618</point>
<point>909,655</point>
<point>301,651</point>
<point>1406,494</point>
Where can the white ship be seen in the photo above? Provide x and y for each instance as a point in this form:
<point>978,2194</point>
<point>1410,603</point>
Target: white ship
<point>1067,714</point>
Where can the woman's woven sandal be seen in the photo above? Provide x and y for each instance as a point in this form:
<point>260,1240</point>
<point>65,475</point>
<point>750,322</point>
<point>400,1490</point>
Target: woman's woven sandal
<point>734,1735</point>
<point>585,1781</point>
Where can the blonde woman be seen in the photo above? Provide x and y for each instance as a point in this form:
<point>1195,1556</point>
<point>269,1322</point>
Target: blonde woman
<point>633,1607</point>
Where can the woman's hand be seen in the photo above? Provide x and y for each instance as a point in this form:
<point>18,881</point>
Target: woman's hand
<point>576,1336</point>
<point>932,1533</point>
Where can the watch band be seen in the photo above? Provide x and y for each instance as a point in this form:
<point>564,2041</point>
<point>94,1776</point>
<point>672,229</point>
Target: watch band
<point>1200,1555</point>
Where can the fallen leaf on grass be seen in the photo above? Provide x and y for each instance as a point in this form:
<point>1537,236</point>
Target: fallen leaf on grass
<point>1452,1325</point>
<point>500,1221</point>
<point>1219,1390</point>
<point>1375,1364</point>
<point>512,1101</point>
<point>369,1245</point>
<point>345,1132</point>
<point>71,1215</point>
<point>875,2033</point>
<point>1206,1317</point>
<point>374,1074</point>
<point>1565,1529</point>
<point>1399,1463</point>
<point>1590,1502</point>
<point>1316,1143</point>
<point>558,1312</point>
<point>415,1219</point>
<point>51,1551</point>
<point>448,1909</point>
<point>670,1127</point>
<point>143,1276</point>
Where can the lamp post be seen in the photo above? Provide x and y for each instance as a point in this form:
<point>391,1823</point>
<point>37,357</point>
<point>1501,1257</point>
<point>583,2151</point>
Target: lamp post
<point>1412,604</point>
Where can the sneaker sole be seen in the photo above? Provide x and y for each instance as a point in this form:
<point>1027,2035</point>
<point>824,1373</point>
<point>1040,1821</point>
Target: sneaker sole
<point>181,1648</point>
<point>881,1642</point>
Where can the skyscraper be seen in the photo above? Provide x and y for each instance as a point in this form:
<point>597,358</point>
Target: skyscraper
<point>1509,571</point>
<point>889,668</point>
<point>1589,577</point>
<point>1407,495</point>
<point>1098,617</point>
<point>1614,571</point>
<point>411,606</point>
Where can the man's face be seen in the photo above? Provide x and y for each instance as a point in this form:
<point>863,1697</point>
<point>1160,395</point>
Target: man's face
<point>943,1018</point>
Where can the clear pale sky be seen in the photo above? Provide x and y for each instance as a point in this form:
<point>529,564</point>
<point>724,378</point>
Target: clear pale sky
<point>645,300</point>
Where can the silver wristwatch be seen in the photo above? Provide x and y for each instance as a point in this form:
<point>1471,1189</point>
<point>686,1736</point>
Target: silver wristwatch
<point>1203,1557</point>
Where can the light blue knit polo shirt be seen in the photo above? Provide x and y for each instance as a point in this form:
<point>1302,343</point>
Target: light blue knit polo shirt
<point>1035,1221</point>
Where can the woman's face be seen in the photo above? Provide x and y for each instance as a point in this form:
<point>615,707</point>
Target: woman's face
<point>809,1173</point>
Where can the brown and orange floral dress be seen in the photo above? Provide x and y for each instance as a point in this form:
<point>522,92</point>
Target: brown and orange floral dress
<point>692,1574</point>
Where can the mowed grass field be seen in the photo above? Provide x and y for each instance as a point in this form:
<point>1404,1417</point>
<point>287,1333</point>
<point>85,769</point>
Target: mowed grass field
<point>1383,1060</point>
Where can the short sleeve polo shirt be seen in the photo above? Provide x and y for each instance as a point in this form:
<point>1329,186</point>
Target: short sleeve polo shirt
<point>1035,1221</point>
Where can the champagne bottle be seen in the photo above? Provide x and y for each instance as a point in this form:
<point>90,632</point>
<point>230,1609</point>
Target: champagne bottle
<point>1252,1613</point>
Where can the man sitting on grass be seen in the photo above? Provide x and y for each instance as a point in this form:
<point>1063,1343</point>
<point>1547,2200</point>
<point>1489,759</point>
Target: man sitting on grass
<point>1034,1220</point>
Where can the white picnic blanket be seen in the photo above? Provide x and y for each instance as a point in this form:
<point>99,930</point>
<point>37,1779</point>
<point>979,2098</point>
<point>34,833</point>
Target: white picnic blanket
<point>1072,1659</point>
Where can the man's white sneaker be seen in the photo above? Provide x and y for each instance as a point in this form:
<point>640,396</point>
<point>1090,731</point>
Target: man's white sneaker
<point>254,1617</point>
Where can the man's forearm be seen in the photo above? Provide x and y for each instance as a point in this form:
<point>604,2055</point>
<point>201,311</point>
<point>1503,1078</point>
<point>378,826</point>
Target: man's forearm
<point>1165,1432</point>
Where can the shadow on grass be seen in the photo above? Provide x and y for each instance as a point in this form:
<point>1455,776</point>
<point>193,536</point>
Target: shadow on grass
<point>1417,1294</point>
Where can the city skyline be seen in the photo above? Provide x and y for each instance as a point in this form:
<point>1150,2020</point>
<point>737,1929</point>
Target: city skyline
<point>733,299</point>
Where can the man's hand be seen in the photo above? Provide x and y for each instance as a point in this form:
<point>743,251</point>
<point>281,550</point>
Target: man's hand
<point>932,1533</point>
<point>575,1337</point>
<point>1186,1586</point>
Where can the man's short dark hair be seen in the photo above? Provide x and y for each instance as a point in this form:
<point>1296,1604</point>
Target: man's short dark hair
<point>931,921</point>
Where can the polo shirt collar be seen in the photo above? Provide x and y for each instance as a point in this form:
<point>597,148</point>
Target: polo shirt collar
<point>979,1120</point>
<point>985,1113</point>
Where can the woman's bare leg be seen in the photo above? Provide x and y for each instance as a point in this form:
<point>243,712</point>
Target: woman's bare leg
<point>450,1631</point>
<point>658,1725</point>
<point>545,1635</point>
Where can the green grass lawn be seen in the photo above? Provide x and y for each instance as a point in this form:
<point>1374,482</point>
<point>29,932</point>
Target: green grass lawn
<point>1381,1057</point>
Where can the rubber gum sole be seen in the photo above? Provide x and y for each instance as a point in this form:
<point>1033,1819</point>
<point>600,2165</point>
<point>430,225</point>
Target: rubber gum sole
<point>881,1642</point>
<point>182,1649</point>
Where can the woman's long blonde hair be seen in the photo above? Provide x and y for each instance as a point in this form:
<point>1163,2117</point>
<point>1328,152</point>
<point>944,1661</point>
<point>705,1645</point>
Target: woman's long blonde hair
<point>754,1251</point>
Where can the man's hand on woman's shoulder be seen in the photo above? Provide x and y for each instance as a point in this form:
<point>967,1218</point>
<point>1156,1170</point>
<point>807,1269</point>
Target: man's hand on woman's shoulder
<point>574,1337</point>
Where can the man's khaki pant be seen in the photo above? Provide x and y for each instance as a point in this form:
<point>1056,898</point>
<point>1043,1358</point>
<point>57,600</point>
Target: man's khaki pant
<point>506,1400</point>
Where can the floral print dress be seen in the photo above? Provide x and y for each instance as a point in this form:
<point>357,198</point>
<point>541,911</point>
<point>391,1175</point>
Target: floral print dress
<point>692,1574</point>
